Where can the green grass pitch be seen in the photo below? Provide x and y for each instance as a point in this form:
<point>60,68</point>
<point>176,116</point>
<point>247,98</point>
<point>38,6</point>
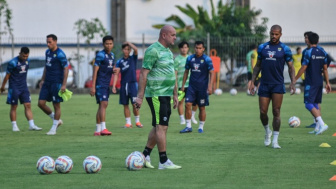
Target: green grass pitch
<point>229,154</point>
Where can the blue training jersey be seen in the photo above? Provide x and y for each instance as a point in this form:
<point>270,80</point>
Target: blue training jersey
<point>273,58</point>
<point>199,71</point>
<point>314,58</point>
<point>56,61</point>
<point>328,57</point>
<point>127,68</point>
<point>18,73</point>
<point>105,63</point>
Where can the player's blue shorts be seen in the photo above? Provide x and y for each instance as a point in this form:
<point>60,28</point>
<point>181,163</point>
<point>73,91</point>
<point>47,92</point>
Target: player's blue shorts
<point>201,98</point>
<point>128,91</point>
<point>49,92</point>
<point>313,94</point>
<point>18,94</point>
<point>160,109</point>
<point>102,93</point>
<point>266,90</point>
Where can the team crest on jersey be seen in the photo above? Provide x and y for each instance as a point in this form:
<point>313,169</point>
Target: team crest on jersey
<point>279,49</point>
<point>196,66</point>
<point>202,61</point>
<point>271,55</point>
<point>48,61</point>
<point>110,64</point>
<point>23,69</point>
<point>125,65</point>
<point>55,55</point>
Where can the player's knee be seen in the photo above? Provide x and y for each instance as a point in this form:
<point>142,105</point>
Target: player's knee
<point>276,112</point>
<point>309,106</point>
<point>27,105</point>
<point>316,106</point>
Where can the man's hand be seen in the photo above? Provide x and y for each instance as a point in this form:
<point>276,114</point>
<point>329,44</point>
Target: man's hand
<point>63,88</point>
<point>114,90</point>
<point>138,103</point>
<point>2,89</point>
<point>251,89</point>
<point>292,88</point>
<point>93,91</point>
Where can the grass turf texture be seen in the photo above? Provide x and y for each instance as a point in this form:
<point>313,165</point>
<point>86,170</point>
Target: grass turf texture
<point>229,154</point>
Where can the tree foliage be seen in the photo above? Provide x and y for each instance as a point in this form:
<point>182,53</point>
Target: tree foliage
<point>90,29</point>
<point>6,17</point>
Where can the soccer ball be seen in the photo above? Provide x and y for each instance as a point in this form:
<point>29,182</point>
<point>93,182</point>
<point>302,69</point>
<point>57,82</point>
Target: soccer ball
<point>233,91</point>
<point>135,161</point>
<point>218,92</point>
<point>63,164</point>
<point>139,154</point>
<point>294,121</point>
<point>297,91</point>
<point>92,164</point>
<point>45,165</point>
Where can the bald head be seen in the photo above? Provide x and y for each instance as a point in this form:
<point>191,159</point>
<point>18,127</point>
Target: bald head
<point>276,27</point>
<point>167,35</point>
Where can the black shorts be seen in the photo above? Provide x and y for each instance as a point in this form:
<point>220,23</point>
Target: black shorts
<point>160,109</point>
<point>249,76</point>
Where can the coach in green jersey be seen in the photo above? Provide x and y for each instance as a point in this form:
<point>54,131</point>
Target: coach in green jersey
<point>158,83</point>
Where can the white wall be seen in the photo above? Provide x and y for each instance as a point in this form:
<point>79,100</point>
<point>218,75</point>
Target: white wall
<point>297,16</point>
<point>38,18</point>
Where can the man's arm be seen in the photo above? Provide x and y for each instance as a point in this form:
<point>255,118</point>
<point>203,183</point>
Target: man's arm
<point>94,79</point>
<point>300,72</point>
<point>135,49</point>
<point>2,89</point>
<point>256,71</point>
<point>326,77</point>
<point>43,77</point>
<point>185,76</point>
<point>115,75</point>
<point>142,86</point>
<point>291,72</point>
<point>212,77</point>
<point>65,78</point>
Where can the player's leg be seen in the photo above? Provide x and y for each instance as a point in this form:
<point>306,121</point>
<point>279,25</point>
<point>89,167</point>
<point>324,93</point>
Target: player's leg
<point>127,116</point>
<point>202,101</point>
<point>151,141</point>
<point>264,101</point>
<point>188,127</point>
<point>136,113</point>
<point>29,116</point>
<point>276,107</point>
<point>202,117</point>
<point>180,111</point>
<point>12,115</point>
<point>193,113</point>
<point>161,133</point>
<point>132,95</point>
<point>57,116</point>
<point>102,115</point>
<point>316,94</point>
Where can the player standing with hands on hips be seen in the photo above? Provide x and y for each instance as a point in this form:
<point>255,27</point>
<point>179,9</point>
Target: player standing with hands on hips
<point>272,57</point>
<point>158,83</point>
<point>53,80</point>
<point>16,73</point>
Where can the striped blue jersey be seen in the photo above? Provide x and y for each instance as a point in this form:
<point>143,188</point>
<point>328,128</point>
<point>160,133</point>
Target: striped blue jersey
<point>56,61</point>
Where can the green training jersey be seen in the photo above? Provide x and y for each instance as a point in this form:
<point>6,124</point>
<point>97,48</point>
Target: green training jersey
<point>179,64</point>
<point>249,61</point>
<point>161,77</point>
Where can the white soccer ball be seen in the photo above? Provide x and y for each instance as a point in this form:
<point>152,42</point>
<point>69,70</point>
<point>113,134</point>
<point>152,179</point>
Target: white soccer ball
<point>92,164</point>
<point>324,91</point>
<point>135,161</point>
<point>63,164</point>
<point>139,154</point>
<point>297,91</point>
<point>218,92</point>
<point>45,165</point>
<point>233,91</point>
<point>294,121</point>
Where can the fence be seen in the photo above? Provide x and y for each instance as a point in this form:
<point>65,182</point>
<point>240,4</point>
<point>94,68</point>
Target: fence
<point>232,52</point>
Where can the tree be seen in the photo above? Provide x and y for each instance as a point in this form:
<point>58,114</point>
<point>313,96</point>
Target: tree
<point>232,28</point>
<point>89,30</point>
<point>5,17</point>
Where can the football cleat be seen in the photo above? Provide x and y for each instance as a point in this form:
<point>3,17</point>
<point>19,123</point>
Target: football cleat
<point>127,126</point>
<point>16,128</point>
<point>96,134</point>
<point>139,125</point>
<point>313,125</point>
<point>276,145</point>
<point>186,130</point>
<point>105,132</point>
<point>267,140</point>
<point>322,129</point>
<point>169,165</point>
<point>200,130</point>
<point>35,128</point>
<point>148,163</point>
<point>51,132</point>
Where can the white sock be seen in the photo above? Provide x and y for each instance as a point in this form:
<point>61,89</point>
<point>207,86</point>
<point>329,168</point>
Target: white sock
<point>128,120</point>
<point>98,128</point>
<point>137,119</point>
<point>103,125</point>
<point>188,123</point>
<point>193,113</point>
<point>201,124</point>
<point>52,115</point>
<point>275,136</point>
<point>54,126</point>
<point>320,121</point>
<point>31,123</point>
<point>267,129</point>
<point>182,117</point>
<point>14,124</point>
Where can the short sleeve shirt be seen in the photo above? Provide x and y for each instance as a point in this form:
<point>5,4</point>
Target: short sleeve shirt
<point>56,61</point>
<point>314,58</point>
<point>161,77</point>
<point>105,63</point>
<point>179,64</point>
<point>18,73</point>
<point>127,68</point>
